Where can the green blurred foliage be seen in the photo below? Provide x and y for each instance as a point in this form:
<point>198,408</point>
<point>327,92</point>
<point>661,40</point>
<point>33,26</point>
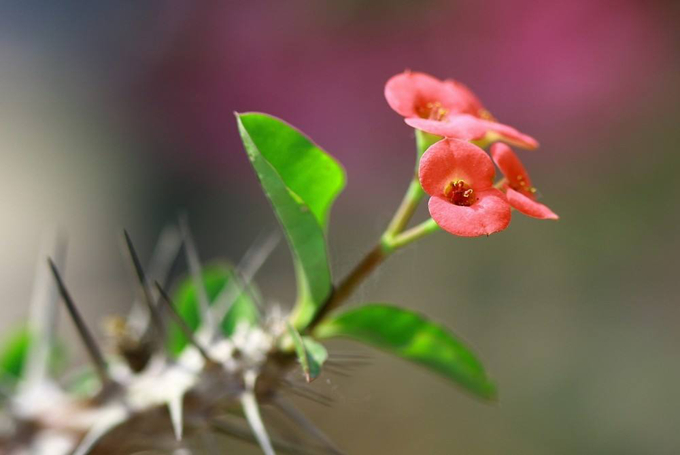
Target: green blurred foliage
<point>216,278</point>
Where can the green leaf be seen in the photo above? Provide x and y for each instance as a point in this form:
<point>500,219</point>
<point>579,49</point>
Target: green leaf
<point>301,181</point>
<point>215,278</point>
<point>311,354</point>
<point>300,351</point>
<point>13,354</point>
<point>411,336</point>
<point>316,354</point>
<point>305,169</point>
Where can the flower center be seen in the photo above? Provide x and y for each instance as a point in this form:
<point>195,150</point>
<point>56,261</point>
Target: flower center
<point>459,193</point>
<point>432,110</point>
<point>485,115</point>
<point>523,186</point>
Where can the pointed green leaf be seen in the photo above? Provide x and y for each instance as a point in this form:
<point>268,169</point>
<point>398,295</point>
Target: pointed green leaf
<point>411,336</point>
<point>311,354</point>
<point>300,351</point>
<point>305,169</point>
<point>301,182</point>
<point>215,278</point>
<point>13,354</point>
<point>316,354</point>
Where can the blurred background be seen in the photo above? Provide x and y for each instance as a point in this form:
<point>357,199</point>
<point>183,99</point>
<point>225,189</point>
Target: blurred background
<point>119,114</point>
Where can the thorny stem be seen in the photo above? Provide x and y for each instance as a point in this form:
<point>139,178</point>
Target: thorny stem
<point>392,239</point>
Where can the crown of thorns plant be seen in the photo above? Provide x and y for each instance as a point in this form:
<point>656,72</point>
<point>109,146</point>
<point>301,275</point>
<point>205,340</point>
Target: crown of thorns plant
<point>202,361</point>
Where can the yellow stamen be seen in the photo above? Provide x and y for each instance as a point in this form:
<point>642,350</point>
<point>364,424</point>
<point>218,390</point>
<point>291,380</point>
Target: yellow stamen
<point>459,193</point>
<point>485,115</point>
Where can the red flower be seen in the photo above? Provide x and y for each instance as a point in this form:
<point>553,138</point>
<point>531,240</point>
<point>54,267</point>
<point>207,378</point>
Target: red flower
<point>517,184</point>
<point>459,177</point>
<point>447,108</point>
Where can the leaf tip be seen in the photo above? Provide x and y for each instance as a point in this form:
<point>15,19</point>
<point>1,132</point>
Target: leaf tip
<point>490,393</point>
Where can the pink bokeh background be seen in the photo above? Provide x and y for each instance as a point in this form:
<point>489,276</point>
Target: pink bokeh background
<point>116,114</point>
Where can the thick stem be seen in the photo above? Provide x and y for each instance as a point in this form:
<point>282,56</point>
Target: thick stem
<point>372,260</point>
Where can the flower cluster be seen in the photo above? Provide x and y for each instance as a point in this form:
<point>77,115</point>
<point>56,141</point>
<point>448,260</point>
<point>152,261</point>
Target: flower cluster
<point>455,171</point>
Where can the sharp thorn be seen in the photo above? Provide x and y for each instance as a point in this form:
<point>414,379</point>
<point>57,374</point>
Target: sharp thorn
<point>105,424</point>
<point>85,335</point>
<point>163,260</point>
<point>299,418</point>
<point>343,366</point>
<point>252,413</point>
<point>303,391</point>
<point>232,291</point>
<point>336,371</point>
<point>349,356</point>
<point>197,275</point>
<point>144,286</point>
<point>244,273</point>
<point>236,431</point>
<point>175,410</point>
<point>44,315</point>
<point>301,394</point>
<point>254,259</point>
<point>165,298</point>
<point>258,253</point>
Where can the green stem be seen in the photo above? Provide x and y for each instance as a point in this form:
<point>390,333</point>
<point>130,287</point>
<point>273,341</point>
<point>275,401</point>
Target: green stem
<point>414,194</point>
<point>415,233</point>
<point>499,184</point>
<point>374,258</point>
<point>370,262</point>
<point>392,239</point>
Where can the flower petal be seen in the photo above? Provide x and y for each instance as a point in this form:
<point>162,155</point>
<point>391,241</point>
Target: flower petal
<point>470,104</point>
<point>501,132</point>
<point>489,214</point>
<point>469,128</point>
<point>407,91</point>
<point>452,159</point>
<point>510,165</point>
<point>463,126</point>
<point>528,206</point>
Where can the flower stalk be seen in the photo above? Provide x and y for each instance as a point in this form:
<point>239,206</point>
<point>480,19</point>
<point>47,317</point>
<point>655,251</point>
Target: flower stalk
<point>394,238</point>
<point>414,194</point>
<point>411,235</point>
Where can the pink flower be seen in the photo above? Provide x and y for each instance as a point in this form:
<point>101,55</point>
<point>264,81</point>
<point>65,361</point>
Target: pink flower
<point>447,108</point>
<point>517,184</point>
<point>459,177</point>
